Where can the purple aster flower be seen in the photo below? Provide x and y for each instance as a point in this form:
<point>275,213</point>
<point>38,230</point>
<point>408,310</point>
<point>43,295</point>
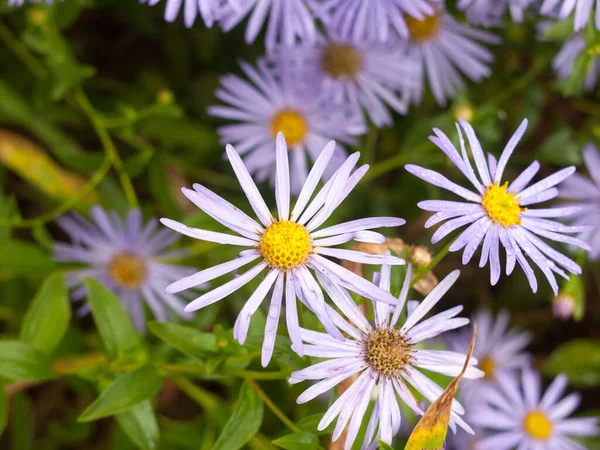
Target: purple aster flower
<point>265,106</point>
<point>490,12</point>
<point>586,195</point>
<point>288,246</point>
<point>564,8</point>
<point>209,10</point>
<point>499,213</point>
<point>441,48</point>
<point>383,356</point>
<point>368,76</point>
<point>518,416</point>
<point>126,257</point>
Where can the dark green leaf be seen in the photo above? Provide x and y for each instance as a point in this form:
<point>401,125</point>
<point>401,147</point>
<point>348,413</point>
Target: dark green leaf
<point>3,410</point>
<point>21,424</point>
<point>126,391</point>
<point>579,360</point>
<point>140,425</point>
<point>298,441</point>
<point>22,361</point>
<point>185,339</point>
<point>48,316</point>
<point>20,258</point>
<point>120,339</point>
<point>245,421</point>
<point>384,446</point>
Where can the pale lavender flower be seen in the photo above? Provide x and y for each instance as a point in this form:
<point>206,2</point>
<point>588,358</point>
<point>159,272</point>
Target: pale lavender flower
<point>384,357</point>
<point>585,192</point>
<point>209,10</point>
<point>127,257</point>
<point>288,246</point>
<point>21,2</point>
<point>370,77</point>
<point>265,106</point>
<point>499,213</point>
<point>518,416</point>
<point>490,12</point>
<point>374,21</point>
<point>441,48</point>
<point>564,8</point>
<point>564,61</point>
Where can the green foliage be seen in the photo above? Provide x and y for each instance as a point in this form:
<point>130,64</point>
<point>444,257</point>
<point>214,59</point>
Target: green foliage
<point>140,425</point>
<point>20,258</point>
<point>185,339</point>
<point>22,361</point>
<point>298,441</point>
<point>579,359</point>
<point>3,410</point>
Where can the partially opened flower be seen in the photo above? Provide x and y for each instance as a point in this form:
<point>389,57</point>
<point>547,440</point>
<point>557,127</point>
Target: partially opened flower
<point>209,10</point>
<point>516,417</point>
<point>387,356</point>
<point>126,257</point>
<point>287,246</point>
<point>585,193</point>
<point>564,8</point>
<point>490,12</point>
<point>498,212</point>
<point>564,61</point>
<point>441,48</point>
<point>265,106</point>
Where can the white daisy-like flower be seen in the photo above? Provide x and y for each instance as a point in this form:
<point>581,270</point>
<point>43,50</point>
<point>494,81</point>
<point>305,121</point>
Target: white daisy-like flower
<point>265,106</point>
<point>367,76</point>
<point>127,257</point>
<point>441,48</point>
<point>490,12</point>
<point>209,10</point>
<point>290,21</point>
<point>384,357</point>
<point>373,21</point>
<point>585,193</point>
<point>287,247</point>
<point>516,417</point>
<point>564,61</point>
<point>498,213</point>
<point>498,349</point>
<point>564,8</point>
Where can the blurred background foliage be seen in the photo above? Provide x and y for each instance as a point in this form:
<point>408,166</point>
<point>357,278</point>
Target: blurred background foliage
<point>101,101</point>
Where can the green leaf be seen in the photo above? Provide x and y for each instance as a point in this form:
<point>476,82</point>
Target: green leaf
<point>310,424</point>
<point>575,83</point>
<point>3,410</point>
<point>120,339</point>
<point>126,391</point>
<point>384,446</point>
<point>559,30</point>
<point>48,316</point>
<point>560,148</point>
<point>579,360</point>
<point>22,423</point>
<point>22,361</point>
<point>245,421</point>
<point>20,258</point>
<point>298,441</point>
<point>187,340</point>
<point>140,425</point>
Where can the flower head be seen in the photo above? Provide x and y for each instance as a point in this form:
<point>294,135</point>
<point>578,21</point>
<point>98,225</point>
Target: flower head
<point>387,355</point>
<point>125,256</point>
<point>564,8</point>
<point>265,106</point>
<point>287,246</point>
<point>516,415</point>
<point>499,212</point>
<point>210,10</point>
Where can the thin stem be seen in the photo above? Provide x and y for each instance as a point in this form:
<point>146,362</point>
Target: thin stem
<point>22,52</point>
<point>273,407</point>
<point>432,265</point>
<point>394,162</point>
<point>207,400</point>
<point>256,375</point>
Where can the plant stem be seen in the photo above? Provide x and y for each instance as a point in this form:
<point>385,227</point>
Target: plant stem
<point>22,53</point>
<point>256,375</point>
<point>394,162</point>
<point>273,407</point>
<point>207,400</point>
<point>436,260</point>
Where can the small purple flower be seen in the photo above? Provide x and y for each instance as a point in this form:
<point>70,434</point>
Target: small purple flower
<point>126,257</point>
<point>499,213</point>
<point>564,8</point>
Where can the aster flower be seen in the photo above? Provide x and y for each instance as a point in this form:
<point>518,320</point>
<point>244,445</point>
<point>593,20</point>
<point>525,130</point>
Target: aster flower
<point>266,106</point>
<point>564,8</point>
<point>516,416</point>
<point>373,21</point>
<point>20,2</point>
<point>586,195</point>
<point>208,9</point>
<point>287,247</point>
<point>490,12</point>
<point>497,348</point>
<point>441,48</point>
<point>290,21</point>
<point>564,61</point>
<point>367,76</point>
<point>126,257</point>
<point>498,213</point>
<point>384,357</point>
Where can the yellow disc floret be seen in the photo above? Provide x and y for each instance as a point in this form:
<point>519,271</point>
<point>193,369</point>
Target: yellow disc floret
<point>502,206</point>
<point>423,30</point>
<point>285,245</point>
<point>387,352</point>
<point>537,425</point>
<point>488,367</point>
<point>341,61</point>
<point>127,270</point>
<point>292,124</point>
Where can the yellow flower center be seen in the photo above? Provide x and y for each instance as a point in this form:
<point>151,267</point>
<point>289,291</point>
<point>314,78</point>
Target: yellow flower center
<point>502,206</point>
<point>127,270</point>
<point>423,30</point>
<point>341,61</point>
<point>387,351</point>
<point>285,245</point>
<point>488,367</point>
<point>292,124</point>
<point>537,425</point>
